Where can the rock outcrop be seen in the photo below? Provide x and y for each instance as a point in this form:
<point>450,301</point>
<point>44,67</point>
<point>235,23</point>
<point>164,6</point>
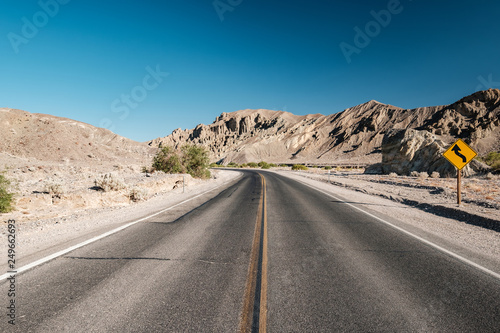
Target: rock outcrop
<point>405,151</point>
<point>475,118</point>
<point>354,135</point>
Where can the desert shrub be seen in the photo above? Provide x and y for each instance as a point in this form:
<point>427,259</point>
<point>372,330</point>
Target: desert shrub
<point>232,165</point>
<point>138,194</point>
<point>252,165</point>
<point>109,182</point>
<point>244,165</point>
<point>6,197</point>
<point>328,167</point>
<point>393,174</point>
<point>195,161</point>
<point>419,174</point>
<point>493,160</point>
<point>272,165</point>
<point>435,174</point>
<point>190,159</point>
<point>54,189</point>
<point>299,167</point>
<point>145,169</point>
<point>168,161</point>
<point>264,165</point>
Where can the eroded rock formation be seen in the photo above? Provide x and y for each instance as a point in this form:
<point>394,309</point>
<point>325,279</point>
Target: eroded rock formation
<point>353,135</point>
<point>405,151</point>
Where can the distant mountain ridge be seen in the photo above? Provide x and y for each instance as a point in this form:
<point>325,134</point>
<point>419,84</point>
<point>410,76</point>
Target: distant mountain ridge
<point>353,135</point>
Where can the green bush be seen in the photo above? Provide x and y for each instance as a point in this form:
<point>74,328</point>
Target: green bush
<point>168,161</point>
<point>264,165</point>
<point>328,168</point>
<point>252,165</point>
<point>244,165</point>
<point>233,165</point>
<point>6,198</point>
<point>272,165</point>
<point>493,160</point>
<point>195,160</point>
<point>191,159</point>
<point>299,167</point>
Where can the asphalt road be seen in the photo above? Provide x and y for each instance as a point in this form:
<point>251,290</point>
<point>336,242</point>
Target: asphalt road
<point>276,252</point>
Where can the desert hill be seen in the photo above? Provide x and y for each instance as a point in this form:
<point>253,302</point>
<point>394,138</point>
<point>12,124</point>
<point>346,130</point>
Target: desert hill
<point>54,139</point>
<point>353,135</point>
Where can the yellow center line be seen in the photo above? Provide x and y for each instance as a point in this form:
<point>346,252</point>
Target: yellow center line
<point>251,288</point>
<point>263,290</point>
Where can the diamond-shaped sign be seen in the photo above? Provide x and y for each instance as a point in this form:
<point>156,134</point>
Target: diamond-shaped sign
<point>460,154</point>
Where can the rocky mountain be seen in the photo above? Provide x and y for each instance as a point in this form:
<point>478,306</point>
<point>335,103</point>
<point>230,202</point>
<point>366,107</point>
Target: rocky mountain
<point>354,135</point>
<point>54,139</point>
<point>408,150</point>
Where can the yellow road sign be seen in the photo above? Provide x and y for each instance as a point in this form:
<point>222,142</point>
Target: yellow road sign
<point>460,154</point>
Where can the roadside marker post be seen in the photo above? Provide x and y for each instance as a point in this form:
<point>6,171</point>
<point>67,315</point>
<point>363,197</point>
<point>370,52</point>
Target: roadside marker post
<point>459,154</point>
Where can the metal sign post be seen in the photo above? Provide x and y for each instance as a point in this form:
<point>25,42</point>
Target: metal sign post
<point>459,154</point>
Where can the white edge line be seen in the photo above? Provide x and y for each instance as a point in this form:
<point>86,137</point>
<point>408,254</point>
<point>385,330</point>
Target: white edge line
<point>442,249</point>
<point>106,234</point>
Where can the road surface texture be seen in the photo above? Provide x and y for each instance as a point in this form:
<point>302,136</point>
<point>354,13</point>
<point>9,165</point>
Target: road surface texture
<point>266,253</point>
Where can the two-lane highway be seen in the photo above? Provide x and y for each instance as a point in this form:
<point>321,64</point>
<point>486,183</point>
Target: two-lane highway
<point>266,252</point>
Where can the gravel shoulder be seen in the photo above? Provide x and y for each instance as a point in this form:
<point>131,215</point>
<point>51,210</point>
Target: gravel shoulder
<point>476,243</point>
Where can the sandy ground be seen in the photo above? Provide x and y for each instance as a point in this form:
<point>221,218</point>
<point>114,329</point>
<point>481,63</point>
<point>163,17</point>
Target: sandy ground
<point>480,195</point>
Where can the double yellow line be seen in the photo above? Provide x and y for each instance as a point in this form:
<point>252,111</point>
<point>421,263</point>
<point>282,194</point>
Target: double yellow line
<point>254,314</point>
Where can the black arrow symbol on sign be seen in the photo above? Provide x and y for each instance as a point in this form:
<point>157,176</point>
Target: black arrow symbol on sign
<point>457,150</point>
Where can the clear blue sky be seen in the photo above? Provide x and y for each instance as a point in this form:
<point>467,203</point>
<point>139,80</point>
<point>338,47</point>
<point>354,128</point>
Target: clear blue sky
<point>91,60</point>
